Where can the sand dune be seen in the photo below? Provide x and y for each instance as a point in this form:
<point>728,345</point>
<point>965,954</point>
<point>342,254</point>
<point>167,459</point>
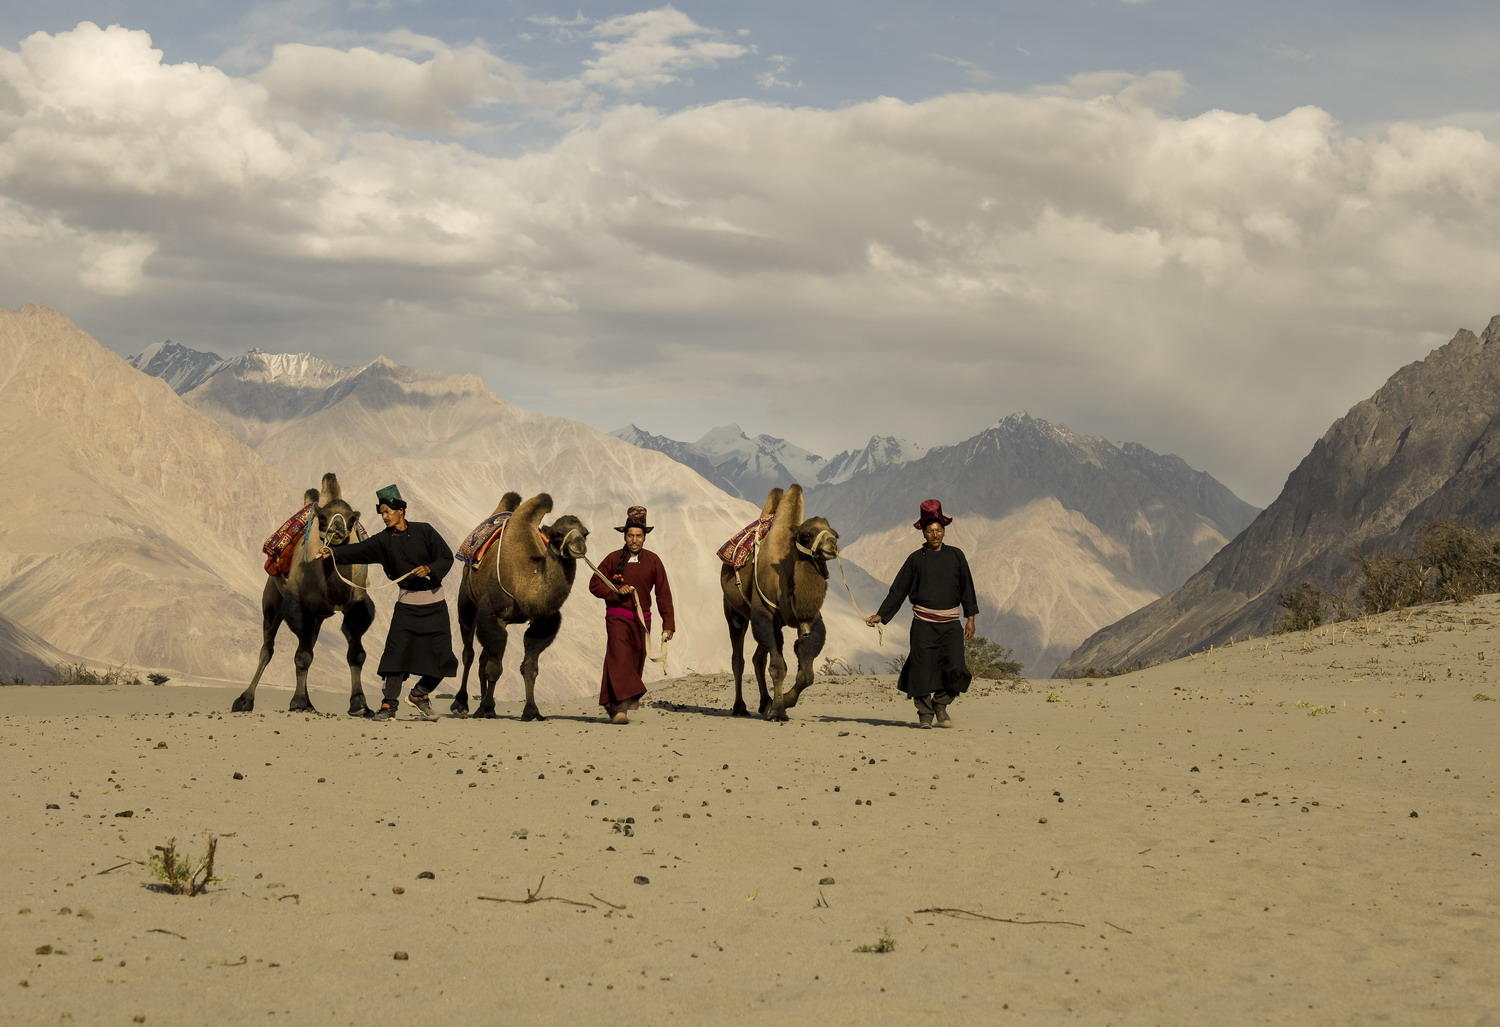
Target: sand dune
<point>1297,829</point>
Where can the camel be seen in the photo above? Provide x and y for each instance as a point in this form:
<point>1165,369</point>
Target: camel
<point>783,586</point>
<point>310,594</point>
<point>525,576</point>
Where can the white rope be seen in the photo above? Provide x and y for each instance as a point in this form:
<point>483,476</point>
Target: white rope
<point>314,532</point>
<point>812,552</point>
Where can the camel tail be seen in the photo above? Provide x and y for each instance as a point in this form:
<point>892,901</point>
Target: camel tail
<point>331,489</point>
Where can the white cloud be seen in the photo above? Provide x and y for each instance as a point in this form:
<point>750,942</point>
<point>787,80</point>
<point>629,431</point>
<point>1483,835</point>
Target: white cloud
<point>775,76</point>
<point>976,73</point>
<point>1222,285</point>
<point>637,52</point>
<point>384,87</point>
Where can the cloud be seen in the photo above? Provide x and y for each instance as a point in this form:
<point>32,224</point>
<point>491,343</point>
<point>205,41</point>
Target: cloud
<point>637,52</point>
<point>772,78</point>
<point>976,73</point>
<point>385,87</point>
<point>1222,285</point>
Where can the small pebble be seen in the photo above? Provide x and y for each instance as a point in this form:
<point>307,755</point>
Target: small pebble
<point>126,813</point>
<point>53,805</point>
<point>1412,814</point>
<point>44,950</point>
<point>642,879</point>
<point>1041,820</point>
<point>400,955</point>
<point>238,776</point>
<point>427,875</point>
<point>825,880</point>
<point>398,890</point>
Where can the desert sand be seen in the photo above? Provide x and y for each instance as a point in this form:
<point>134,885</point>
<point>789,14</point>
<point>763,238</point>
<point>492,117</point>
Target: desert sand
<point>1295,829</point>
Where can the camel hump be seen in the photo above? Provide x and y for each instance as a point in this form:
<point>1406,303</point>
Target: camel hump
<point>331,489</point>
<point>773,499</point>
<point>531,511</point>
<point>508,503</point>
<point>789,510</point>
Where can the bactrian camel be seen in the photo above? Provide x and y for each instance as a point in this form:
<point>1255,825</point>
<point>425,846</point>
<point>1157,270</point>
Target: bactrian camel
<point>525,576</point>
<point>310,594</point>
<point>783,586</point>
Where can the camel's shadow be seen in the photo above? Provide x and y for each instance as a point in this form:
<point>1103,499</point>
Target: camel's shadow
<point>702,711</point>
<point>872,721</point>
<point>516,717</point>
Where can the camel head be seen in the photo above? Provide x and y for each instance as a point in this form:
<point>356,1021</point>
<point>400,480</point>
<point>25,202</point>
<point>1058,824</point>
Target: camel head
<point>816,538</point>
<point>567,537</point>
<point>336,521</point>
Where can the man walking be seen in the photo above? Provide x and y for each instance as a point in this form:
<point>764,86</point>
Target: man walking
<point>936,579</point>
<point>634,573</point>
<point>421,639</point>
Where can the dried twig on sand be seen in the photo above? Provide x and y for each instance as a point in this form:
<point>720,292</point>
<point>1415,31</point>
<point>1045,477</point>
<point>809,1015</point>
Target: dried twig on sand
<point>960,913</point>
<point>535,895</point>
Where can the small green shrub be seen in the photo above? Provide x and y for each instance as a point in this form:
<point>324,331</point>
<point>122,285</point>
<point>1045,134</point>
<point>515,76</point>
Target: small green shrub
<point>179,874</point>
<point>990,660</point>
<point>79,674</point>
<point>1303,606</point>
<point>886,943</point>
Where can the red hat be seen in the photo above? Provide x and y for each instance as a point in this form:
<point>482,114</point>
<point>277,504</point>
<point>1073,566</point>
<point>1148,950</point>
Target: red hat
<point>635,517</point>
<point>932,510</point>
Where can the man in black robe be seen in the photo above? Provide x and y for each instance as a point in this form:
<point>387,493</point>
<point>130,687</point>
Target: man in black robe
<point>421,639</point>
<point>936,579</point>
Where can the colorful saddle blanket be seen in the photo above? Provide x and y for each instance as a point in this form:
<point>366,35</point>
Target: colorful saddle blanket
<point>736,552</point>
<point>481,538</point>
<point>281,547</point>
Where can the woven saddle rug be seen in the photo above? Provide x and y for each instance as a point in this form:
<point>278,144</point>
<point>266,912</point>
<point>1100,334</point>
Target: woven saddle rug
<point>281,547</point>
<point>482,537</point>
<point>736,552</point>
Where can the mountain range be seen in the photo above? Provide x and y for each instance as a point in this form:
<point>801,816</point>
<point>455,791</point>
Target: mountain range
<point>750,467</point>
<point>1424,447</point>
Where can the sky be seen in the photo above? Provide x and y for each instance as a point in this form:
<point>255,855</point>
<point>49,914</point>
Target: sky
<point>1205,226</point>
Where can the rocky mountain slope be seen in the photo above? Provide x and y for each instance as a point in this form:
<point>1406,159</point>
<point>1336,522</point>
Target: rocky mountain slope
<point>24,658</point>
<point>1065,532</point>
<point>181,367</point>
<point>134,534</point>
<point>1424,447</point>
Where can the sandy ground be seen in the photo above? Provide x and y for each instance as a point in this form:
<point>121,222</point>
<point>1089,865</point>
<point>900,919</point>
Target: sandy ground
<point>1301,829</point>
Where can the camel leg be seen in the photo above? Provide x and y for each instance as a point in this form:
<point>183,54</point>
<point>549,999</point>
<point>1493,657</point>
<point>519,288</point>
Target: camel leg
<point>270,623</point>
<point>540,633</point>
<point>492,640</point>
<point>807,647</point>
<point>357,620</point>
<point>307,637</point>
<point>768,638</point>
<point>758,659</point>
<point>737,627</point>
<point>468,614</point>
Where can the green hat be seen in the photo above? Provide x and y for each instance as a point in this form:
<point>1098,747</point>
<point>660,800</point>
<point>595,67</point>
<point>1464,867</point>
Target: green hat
<point>390,496</point>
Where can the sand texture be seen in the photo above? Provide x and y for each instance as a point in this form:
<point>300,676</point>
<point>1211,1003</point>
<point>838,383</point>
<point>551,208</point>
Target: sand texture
<point>1299,829</point>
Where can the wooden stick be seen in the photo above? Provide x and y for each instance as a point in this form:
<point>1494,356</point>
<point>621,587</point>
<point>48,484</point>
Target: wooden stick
<point>950,911</point>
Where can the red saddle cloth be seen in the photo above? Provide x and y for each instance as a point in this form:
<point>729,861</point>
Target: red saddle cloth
<point>736,552</point>
<point>482,537</point>
<point>281,547</point>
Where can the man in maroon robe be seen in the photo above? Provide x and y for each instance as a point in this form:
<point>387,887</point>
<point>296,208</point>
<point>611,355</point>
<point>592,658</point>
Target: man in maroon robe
<point>634,573</point>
